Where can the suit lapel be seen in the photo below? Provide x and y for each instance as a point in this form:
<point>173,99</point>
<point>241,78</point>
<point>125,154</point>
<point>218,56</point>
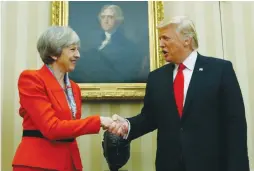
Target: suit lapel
<point>167,87</point>
<point>196,80</point>
<point>167,80</point>
<point>53,86</point>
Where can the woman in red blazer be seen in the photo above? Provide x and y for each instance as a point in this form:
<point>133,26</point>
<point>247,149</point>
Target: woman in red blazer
<point>50,105</point>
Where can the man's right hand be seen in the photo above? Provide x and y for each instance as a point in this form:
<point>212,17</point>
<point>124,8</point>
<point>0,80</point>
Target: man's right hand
<point>120,126</point>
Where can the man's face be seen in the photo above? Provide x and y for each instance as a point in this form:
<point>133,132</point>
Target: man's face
<point>171,45</point>
<point>108,21</point>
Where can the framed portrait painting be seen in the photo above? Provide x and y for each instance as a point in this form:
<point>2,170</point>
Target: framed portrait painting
<point>119,45</point>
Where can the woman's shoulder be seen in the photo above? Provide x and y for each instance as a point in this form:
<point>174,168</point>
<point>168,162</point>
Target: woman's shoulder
<point>29,73</point>
<point>29,76</point>
<point>35,74</point>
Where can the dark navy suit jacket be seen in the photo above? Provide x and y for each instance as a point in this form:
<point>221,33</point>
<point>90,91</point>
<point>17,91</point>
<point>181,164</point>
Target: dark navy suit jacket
<point>212,133</point>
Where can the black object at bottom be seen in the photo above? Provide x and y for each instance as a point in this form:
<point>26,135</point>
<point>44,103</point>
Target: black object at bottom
<point>116,150</point>
<point>36,133</point>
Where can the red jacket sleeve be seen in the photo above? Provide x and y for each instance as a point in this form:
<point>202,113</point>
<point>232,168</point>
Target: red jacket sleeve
<point>34,99</point>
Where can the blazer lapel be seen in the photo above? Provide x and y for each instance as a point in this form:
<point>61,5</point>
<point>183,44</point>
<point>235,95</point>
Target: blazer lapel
<point>197,76</point>
<point>167,80</point>
<point>55,88</point>
<point>167,88</point>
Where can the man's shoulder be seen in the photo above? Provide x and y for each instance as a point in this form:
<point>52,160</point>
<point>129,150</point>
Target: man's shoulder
<point>162,69</point>
<point>213,60</point>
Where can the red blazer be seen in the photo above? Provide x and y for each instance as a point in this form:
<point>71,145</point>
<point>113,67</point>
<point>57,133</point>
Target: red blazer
<point>44,107</point>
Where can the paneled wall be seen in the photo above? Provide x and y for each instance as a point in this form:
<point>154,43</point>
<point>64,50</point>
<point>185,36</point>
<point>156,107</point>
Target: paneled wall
<point>206,16</point>
<point>237,29</point>
<point>22,23</point>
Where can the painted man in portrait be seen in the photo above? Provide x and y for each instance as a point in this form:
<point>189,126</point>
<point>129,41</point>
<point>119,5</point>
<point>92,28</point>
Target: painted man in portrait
<point>112,57</point>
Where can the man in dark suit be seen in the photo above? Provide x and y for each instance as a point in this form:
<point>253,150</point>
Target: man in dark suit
<point>195,103</point>
<point>112,57</point>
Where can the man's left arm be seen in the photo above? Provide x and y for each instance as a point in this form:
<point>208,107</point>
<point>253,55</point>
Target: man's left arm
<point>235,121</point>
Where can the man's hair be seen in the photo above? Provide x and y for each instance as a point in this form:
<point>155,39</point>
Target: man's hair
<point>184,26</point>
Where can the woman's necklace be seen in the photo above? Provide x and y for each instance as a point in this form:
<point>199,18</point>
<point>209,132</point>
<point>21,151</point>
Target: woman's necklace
<point>65,84</point>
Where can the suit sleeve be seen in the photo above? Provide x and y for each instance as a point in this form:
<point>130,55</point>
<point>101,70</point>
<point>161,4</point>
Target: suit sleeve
<point>144,122</point>
<point>34,99</point>
<point>235,121</point>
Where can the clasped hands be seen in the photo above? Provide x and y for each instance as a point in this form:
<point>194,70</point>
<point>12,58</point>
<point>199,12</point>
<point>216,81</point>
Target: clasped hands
<point>116,125</point>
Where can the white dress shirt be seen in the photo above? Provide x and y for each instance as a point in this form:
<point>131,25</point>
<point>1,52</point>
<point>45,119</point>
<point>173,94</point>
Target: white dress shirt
<point>189,63</point>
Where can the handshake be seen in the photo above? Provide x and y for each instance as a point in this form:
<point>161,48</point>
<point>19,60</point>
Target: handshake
<point>116,125</point>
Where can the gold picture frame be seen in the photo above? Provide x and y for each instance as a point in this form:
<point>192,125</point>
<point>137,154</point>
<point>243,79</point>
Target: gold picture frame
<point>117,91</point>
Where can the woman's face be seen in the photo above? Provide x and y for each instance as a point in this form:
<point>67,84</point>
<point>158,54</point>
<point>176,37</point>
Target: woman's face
<point>67,60</point>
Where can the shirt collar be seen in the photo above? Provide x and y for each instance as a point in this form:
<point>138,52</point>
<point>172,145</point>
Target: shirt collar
<point>190,61</point>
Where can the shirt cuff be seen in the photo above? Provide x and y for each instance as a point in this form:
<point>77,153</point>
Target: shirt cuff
<point>129,128</point>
